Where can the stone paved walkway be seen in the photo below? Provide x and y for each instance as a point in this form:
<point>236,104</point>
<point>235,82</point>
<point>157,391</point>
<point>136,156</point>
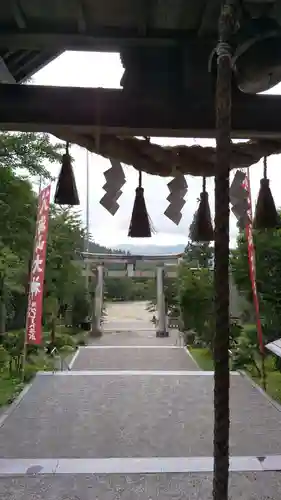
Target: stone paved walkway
<point>135,338</point>
<point>134,420</point>
<point>134,358</point>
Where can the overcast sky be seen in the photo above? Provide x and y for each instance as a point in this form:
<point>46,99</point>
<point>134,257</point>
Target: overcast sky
<point>86,69</point>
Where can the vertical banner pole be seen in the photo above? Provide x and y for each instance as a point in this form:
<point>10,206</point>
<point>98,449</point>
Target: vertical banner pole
<point>33,330</point>
<point>86,249</point>
<point>252,273</point>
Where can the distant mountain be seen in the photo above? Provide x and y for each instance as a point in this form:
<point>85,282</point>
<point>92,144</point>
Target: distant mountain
<point>151,249</point>
<point>137,249</point>
<point>96,248</point>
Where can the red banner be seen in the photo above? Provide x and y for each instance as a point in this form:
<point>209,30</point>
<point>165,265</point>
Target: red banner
<point>36,285</point>
<point>252,264</point>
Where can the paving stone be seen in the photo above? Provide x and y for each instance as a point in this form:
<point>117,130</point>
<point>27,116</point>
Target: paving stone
<point>135,337</point>
<point>135,416</point>
<point>134,359</point>
<point>250,486</point>
<point>128,324</point>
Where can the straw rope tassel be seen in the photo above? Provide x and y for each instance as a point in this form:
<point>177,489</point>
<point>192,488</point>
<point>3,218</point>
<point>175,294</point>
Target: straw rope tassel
<point>66,190</point>
<point>140,226</point>
<point>202,229</point>
<point>266,216</point>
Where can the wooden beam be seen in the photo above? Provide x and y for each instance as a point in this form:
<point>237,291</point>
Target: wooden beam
<point>210,11</point>
<point>107,111</point>
<point>123,274</point>
<point>88,258</point>
<point>5,74</point>
<point>18,14</point>
<point>99,40</point>
<point>144,9</point>
<point>81,19</point>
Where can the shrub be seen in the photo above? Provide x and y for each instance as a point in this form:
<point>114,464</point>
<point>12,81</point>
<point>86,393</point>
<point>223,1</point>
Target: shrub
<point>235,330</point>
<point>245,351</point>
<point>35,365</point>
<point>82,340</point>
<point>4,358</point>
<point>63,340</point>
<point>81,307</point>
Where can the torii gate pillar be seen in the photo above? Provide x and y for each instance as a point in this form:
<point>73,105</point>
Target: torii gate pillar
<point>161,326</point>
<point>96,330</point>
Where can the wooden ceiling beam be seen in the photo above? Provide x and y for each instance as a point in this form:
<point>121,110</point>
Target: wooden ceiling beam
<point>81,18</point>
<point>144,16</point>
<point>5,74</point>
<point>208,10</point>
<point>108,111</point>
<point>101,40</point>
<point>18,14</point>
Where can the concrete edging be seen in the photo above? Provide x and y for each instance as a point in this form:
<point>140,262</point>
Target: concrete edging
<point>274,403</point>
<point>15,403</point>
<point>133,465</point>
<point>122,373</point>
<point>73,359</point>
<point>88,347</point>
<point>190,355</point>
<point>243,374</point>
<point>11,407</point>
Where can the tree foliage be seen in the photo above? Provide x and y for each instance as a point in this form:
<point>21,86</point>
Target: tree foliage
<point>126,289</point>
<point>18,213</point>
<point>198,254</point>
<point>268,277</point>
<point>196,302</point>
<point>246,350</point>
<point>23,154</point>
<point>30,155</point>
<point>29,152</point>
<point>66,235</point>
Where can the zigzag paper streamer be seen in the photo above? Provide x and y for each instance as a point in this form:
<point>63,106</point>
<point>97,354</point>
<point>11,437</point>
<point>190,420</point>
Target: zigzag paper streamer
<point>115,180</point>
<point>178,190</point>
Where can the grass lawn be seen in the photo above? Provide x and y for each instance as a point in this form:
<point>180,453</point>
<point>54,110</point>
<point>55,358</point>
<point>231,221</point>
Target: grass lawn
<point>9,388</point>
<point>202,357</point>
<point>11,383</point>
<point>273,384</point>
<point>273,377</point>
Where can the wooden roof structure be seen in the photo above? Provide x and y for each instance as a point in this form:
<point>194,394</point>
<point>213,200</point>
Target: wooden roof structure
<point>33,32</point>
<point>50,27</point>
<point>170,40</point>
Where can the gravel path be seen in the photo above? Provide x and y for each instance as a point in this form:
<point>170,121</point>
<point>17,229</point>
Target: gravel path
<point>135,337</point>
<point>98,415</point>
<point>135,416</point>
<point>250,486</point>
<point>135,358</point>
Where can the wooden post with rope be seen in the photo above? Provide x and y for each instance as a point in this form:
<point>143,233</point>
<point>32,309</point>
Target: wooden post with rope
<point>221,271</point>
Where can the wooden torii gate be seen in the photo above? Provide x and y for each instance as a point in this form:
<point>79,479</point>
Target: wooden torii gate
<point>95,265</point>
